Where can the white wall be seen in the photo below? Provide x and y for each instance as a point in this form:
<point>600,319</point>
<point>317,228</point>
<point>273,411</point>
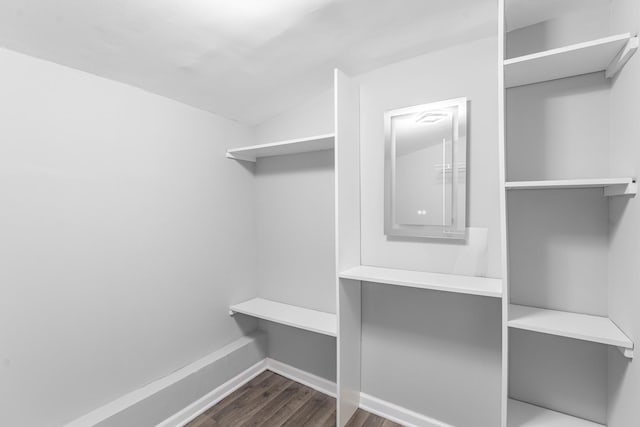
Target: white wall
<point>467,70</point>
<point>122,241</point>
<point>624,273</point>
<point>587,22</point>
<point>313,117</point>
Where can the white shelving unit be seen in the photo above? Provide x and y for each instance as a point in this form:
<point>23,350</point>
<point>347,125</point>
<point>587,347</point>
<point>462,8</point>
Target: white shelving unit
<point>611,186</point>
<point>293,146</point>
<point>418,279</point>
<point>609,53</point>
<point>525,415</point>
<point>571,325</point>
<point>290,315</point>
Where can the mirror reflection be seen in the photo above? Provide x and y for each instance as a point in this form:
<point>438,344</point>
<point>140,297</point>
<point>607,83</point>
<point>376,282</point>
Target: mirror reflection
<point>426,170</point>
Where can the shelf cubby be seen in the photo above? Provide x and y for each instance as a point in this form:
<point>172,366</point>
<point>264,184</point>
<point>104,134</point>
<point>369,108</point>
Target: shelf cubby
<point>584,327</point>
<point>290,315</point>
<point>611,186</point>
<point>293,146</point>
<point>523,414</point>
<point>608,53</point>
<point>418,279</point>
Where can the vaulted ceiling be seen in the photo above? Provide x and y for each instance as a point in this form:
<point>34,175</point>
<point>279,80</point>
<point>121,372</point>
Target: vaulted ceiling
<point>247,60</point>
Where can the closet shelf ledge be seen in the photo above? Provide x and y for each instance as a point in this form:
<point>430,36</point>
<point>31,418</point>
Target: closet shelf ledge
<point>471,285</point>
<point>608,54</point>
<point>287,314</point>
<point>281,148</point>
<point>610,186</point>
<point>584,327</point>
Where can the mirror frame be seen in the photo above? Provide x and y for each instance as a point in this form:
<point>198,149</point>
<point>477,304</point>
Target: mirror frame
<point>457,230</point>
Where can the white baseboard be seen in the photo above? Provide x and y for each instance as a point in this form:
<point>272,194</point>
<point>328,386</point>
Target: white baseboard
<point>310,380</point>
<point>198,407</point>
<point>376,406</point>
<point>109,414</point>
<point>187,414</point>
<point>396,413</point>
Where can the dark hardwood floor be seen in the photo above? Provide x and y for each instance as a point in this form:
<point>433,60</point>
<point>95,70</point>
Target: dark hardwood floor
<point>271,400</point>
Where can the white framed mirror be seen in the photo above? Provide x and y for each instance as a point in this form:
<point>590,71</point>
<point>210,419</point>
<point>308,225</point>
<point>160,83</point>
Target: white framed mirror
<point>426,170</point>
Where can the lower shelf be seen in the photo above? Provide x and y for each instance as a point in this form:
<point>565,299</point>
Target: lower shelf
<point>290,315</point>
<point>526,415</point>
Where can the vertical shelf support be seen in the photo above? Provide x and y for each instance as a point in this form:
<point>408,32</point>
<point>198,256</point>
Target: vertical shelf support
<point>621,189</point>
<point>626,352</point>
<point>347,163</point>
<point>622,57</point>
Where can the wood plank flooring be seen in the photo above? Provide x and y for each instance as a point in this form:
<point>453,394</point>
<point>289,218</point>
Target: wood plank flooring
<point>271,400</point>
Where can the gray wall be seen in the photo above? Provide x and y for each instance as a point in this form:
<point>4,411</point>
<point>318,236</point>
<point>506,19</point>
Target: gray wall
<point>428,351</point>
<point>624,276</point>
<point>122,243</point>
<point>558,129</point>
<point>467,70</point>
<point>294,205</point>
<point>433,352</point>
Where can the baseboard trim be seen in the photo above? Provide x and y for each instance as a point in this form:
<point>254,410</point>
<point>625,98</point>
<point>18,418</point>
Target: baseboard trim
<point>397,414</point>
<point>139,406</point>
<point>192,411</point>
<point>310,380</point>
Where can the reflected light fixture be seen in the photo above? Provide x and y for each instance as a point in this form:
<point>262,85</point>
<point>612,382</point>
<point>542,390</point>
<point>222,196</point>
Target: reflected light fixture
<point>431,117</point>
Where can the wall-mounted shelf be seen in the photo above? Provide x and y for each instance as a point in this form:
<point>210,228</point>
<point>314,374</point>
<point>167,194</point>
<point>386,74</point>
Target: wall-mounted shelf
<point>571,325</point>
<point>611,186</point>
<point>293,146</point>
<point>417,279</point>
<point>526,415</point>
<point>609,53</point>
<point>290,315</point>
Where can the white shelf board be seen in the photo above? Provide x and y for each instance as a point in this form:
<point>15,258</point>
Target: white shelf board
<point>417,279</point>
<point>526,415</point>
<point>571,325</point>
<point>611,186</point>
<point>293,146</point>
<point>573,60</point>
<point>290,315</point>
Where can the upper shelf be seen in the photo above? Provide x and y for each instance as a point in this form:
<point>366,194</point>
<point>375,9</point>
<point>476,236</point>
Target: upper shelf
<point>293,146</point>
<point>571,325</point>
<point>417,279</point>
<point>611,186</point>
<point>609,53</point>
<point>290,315</point>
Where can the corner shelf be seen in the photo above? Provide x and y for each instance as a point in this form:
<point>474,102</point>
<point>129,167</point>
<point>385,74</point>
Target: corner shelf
<point>571,325</point>
<point>609,53</point>
<point>435,281</point>
<point>611,186</point>
<point>526,415</point>
<point>290,315</point>
<point>293,146</point>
